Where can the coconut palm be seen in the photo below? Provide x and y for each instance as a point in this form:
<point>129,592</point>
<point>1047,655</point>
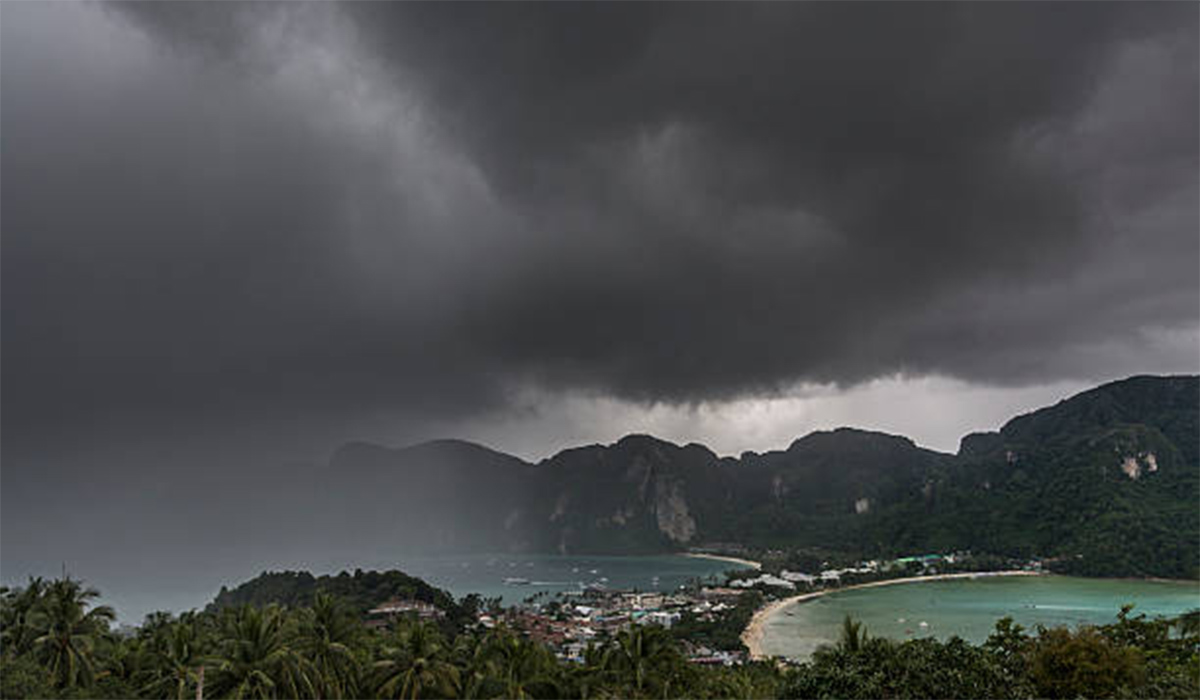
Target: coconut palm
<point>470,655</point>
<point>17,632</point>
<point>854,636</point>
<point>738,682</point>
<point>256,657</point>
<point>172,658</point>
<point>588,679</point>
<point>645,660</point>
<point>415,664</point>
<point>524,669</point>
<point>68,631</point>
<point>327,636</point>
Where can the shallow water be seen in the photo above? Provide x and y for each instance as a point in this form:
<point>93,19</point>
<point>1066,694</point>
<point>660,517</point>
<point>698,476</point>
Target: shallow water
<point>969,608</point>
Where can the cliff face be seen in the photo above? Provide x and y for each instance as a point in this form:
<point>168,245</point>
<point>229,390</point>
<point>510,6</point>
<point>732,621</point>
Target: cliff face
<point>1112,468</point>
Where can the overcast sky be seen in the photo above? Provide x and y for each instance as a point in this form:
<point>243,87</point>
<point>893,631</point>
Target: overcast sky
<point>236,235</point>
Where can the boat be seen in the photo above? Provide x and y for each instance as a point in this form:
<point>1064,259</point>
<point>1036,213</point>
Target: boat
<point>516,581</point>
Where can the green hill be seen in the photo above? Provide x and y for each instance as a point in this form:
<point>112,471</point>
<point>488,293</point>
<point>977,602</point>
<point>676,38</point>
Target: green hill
<point>361,590</point>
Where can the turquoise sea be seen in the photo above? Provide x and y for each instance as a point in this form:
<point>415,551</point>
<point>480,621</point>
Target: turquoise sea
<point>969,608</point>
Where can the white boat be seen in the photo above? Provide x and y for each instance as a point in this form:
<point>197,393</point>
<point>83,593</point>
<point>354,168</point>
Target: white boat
<point>516,581</point>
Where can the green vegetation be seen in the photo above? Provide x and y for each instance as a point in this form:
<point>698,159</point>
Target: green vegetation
<point>359,591</point>
<point>1102,484</point>
<point>54,643</point>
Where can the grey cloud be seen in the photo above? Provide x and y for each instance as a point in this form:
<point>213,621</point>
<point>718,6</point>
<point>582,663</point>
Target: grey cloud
<point>236,234</point>
<point>415,207</point>
<point>920,153</point>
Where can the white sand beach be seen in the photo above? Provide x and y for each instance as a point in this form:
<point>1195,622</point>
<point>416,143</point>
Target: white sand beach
<point>752,636</point>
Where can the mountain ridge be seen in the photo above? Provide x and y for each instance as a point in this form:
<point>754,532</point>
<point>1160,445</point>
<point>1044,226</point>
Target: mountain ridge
<point>1105,470</point>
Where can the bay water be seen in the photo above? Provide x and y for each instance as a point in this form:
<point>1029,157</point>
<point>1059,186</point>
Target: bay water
<point>969,608</point>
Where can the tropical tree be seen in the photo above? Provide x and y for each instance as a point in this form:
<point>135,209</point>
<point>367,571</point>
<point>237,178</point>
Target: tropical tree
<point>750,680</point>
<point>256,658</point>
<point>1082,663</point>
<point>415,664</point>
<point>328,636</point>
<point>589,679</point>
<point>469,654</point>
<point>17,606</point>
<point>68,631</point>
<point>854,636</point>
<point>525,669</point>
<point>644,660</point>
<point>172,656</point>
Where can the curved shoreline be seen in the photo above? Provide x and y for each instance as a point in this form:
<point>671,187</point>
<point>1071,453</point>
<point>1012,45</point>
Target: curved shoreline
<point>749,564</point>
<point>752,635</point>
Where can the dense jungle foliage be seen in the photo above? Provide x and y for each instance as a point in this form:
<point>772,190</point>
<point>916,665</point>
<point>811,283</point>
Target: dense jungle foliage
<point>56,643</point>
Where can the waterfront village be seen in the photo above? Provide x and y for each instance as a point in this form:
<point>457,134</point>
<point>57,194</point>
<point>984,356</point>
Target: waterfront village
<point>708,619</point>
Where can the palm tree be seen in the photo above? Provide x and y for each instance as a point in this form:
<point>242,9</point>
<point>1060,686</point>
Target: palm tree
<point>647,656</point>
<point>854,636</point>
<point>173,657</point>
<point>525,669</point>
<point>327,636</point>
<point>256,657</point>
<point>69,631</point>
<point>17,632</point>
<point>476,680</point>
<point>737,682</point>
<point>415,665</point>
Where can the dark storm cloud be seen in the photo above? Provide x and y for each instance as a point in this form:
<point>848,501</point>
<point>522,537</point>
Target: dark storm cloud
<point>175,239</point>
<point>227,211</point>
<point>238,234</point>
<point>730,197</point>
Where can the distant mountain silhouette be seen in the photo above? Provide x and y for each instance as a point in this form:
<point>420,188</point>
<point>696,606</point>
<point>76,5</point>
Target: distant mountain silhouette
<point>1108,480</point>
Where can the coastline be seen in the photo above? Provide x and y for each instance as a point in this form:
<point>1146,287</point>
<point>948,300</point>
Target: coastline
<point>752,635</point>
<point>749,564</point>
